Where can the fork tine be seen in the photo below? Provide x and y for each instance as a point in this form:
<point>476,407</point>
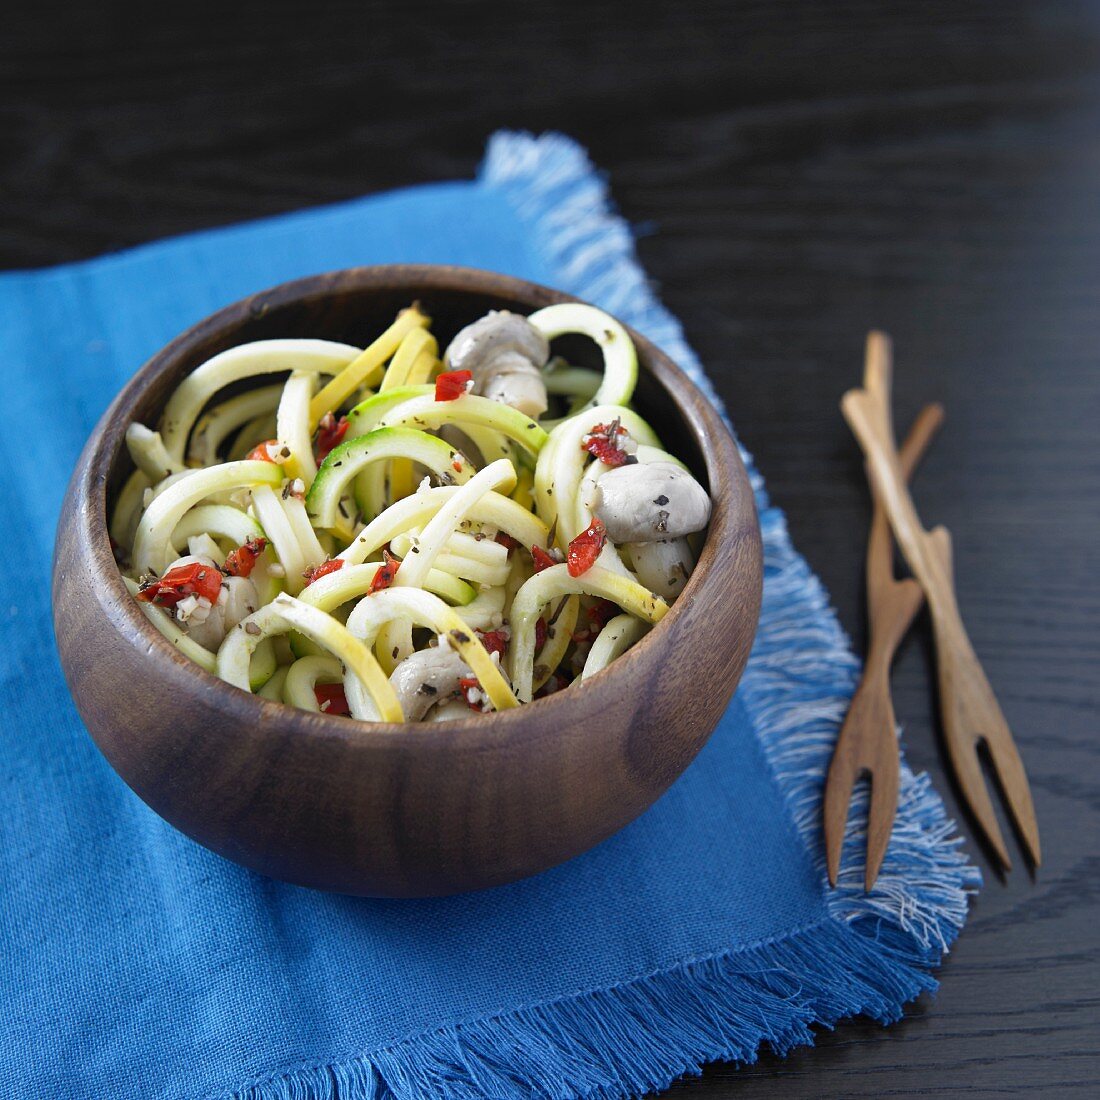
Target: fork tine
<point>838,792</point>
<point>880,816</point>
<point>1010,771</point>
<point>867,745</point>
<point>963,753</point>
<point>971,715</point>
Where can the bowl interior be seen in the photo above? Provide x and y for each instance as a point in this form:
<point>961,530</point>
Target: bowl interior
<point>354,306</point>
<point>451,297</point>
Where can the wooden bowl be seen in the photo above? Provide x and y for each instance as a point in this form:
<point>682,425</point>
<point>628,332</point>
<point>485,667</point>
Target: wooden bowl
<point>395,810</point>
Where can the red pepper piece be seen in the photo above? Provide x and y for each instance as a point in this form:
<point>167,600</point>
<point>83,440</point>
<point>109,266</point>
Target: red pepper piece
<point>602,443</point>
<point>331,699</point>
<point>493,641</point>
<point>265,452</point>
<point>540,635</point>
<point>585,548</point>
<point>241,562</point>
<point>542,559</point>
<point>605,451</point>
<point>195,579</point>
<point>385,573</point>
<point>451,385</point>
<point>316,572</point>
<point>468,684</point>
<point>601,613</point>
<point>329,434</point>
<point>506,540</point>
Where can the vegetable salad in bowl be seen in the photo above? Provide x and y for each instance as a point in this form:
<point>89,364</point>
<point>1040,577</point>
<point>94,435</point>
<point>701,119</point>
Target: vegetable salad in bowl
<point>395,535</point>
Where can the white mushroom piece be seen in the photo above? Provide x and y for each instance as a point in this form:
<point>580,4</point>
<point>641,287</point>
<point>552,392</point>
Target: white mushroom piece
<point>650,502</point>
<point>427,677</point>
<point>503,351</point>
<point>208,623</point>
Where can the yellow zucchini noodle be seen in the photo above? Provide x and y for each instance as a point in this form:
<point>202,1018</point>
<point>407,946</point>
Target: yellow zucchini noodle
<point>408,531</point>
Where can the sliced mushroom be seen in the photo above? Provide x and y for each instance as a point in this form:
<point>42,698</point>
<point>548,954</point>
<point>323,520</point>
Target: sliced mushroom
<point>209,625</point>
<point>503,351</point>
<point>650,502</point>
<point>427,677</point>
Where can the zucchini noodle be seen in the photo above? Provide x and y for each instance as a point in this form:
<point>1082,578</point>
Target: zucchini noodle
<point>147,450</point>
<point>299,686</point>
<point>247,361</point>
<point>128,508</point>
<point>413,361</point>
<point>616,638</point>
<point>256,431</point>
<point>213,428</point>
<point>151,541</point>
<point>292,427</point>
<point>620,360</point>
<point>361,531</point>
<point>362,369</point>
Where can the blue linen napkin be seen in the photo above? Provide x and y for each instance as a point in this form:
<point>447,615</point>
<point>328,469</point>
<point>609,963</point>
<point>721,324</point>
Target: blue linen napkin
<point>135,963</point>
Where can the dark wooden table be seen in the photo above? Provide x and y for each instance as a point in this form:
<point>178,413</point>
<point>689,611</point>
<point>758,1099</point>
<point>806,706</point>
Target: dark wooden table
<point>813,169</point>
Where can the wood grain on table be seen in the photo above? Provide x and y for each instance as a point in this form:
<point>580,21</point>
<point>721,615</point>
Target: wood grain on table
<point>814,170</point>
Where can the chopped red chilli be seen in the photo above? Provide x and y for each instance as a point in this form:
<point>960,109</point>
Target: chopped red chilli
<point>195,579</point>
<point>267,451</point>
<point>605,443</point>
<point>543,559</point>
<point>330,432</point>
<point>540,634</point>
<point>506,540</point>
<point>585,548</point>
<point>241,562</point>
<point>494,641</point>
<point>452,384</point>
<point>600,613</point>
<point>385,574</point>
<point>316,572</point>
<point>471,692</point>
<point>331,699</point>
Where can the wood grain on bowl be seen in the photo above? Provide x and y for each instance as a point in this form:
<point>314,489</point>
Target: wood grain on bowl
<point>400,810</point>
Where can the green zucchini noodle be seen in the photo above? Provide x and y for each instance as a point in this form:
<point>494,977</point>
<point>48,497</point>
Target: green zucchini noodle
<point>378,533</point>
<point>302,677</point>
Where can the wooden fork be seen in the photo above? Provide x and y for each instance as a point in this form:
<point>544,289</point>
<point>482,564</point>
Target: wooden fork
<point>968,707</point>
<point>868,740</point>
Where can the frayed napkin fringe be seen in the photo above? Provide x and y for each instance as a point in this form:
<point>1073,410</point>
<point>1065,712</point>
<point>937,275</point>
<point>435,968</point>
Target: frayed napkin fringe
<point>877,951</point>
<point>638,1037</point>
<point>802,673</point>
